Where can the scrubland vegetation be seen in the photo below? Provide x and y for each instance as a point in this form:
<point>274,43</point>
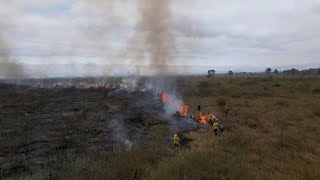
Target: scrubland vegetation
<point>272,130</point>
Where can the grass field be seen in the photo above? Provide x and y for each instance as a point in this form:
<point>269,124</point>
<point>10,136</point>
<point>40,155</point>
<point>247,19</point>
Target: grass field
<point>271,132</point>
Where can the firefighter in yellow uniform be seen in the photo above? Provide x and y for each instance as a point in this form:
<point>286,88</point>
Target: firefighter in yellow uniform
<point>215,127</point>
<point>176,140</point>
<point>211,118</point>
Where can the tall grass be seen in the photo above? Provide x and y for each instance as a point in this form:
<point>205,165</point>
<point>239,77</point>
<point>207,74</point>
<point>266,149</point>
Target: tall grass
<point>272,132</point>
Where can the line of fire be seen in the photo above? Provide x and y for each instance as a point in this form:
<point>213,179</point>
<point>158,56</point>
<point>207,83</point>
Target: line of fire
<point>178,107</point>
<point>182,109</point>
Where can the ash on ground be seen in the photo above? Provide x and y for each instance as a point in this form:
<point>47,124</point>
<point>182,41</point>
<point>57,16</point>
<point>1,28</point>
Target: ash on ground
<point>46,129</point>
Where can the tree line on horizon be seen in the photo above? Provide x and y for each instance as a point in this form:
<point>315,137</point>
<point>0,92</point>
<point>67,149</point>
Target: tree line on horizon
<point>268,71</point>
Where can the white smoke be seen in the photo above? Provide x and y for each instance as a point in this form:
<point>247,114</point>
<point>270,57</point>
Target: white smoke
<point>120,132</point>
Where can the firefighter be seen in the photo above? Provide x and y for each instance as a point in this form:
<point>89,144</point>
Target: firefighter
<point>221,127</point>
<point>199,108</point>
<point>211,118</point>
<point>176,140</point>
<point>215,127</point>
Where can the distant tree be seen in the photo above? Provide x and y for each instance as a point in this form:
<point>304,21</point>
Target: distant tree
<point>276,71</point>
<point>304,72</point>
<point>311,71</point>
<point>268,70</point>
<point>291,72</point>
<point>211,73</point>
<point>295,71</point>
<point>230,73</point>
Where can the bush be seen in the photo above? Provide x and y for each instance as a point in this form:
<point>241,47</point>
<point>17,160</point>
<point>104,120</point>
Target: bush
<point>282,103</point>
<point>316,114</point>
<point>316,91</point>
<point>276,85</point>
<point>221,102</point>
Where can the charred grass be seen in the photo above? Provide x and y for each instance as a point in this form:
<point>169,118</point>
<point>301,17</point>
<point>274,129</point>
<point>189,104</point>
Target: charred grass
<point>43,131</point>
<point>271,132</point>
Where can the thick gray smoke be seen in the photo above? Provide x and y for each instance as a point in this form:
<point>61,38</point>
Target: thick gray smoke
<point>153,30</point>
<point>148,51</point>
<point>104,18</point>
<point>9,68</point>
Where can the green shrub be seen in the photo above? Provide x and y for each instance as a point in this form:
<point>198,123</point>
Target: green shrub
<point>282,103</point>
<point>316,91</point>
<point>276,85</point>
<point>316,114</point>
<point>221,102</point>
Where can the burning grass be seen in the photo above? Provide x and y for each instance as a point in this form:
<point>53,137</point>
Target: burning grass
<point>271,132</point>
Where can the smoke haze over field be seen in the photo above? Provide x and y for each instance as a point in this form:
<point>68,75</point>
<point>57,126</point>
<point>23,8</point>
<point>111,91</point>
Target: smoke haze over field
<point>154,37</point>
<point>8,67</point>
<point>157,40</point>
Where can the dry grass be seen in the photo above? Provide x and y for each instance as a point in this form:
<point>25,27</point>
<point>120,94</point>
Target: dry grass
<point>272,132</point>
<point>123,163</point>
<point>111,107</point>
<point>73,115</point>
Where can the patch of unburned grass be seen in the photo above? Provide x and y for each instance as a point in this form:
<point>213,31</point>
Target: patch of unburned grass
<point>73,115</point>
<point>111,106</point>
<point>200,165</point>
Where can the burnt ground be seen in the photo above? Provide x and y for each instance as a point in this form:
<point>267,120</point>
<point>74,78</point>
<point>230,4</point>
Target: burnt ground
<point>44,130</point>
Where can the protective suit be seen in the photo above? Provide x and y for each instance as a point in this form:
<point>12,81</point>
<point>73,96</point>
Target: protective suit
<point>211,119</point>
<point>215,127</point>
<point>176,140</point>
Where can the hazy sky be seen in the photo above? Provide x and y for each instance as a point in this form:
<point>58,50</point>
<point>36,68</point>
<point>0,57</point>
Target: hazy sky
<point>206,32</point>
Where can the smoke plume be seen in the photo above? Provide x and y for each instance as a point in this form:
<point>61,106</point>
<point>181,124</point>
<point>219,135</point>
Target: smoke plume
<point>119,132</point>
<point>148,51</point>
<point>153,30</point>
<point>9,69</point>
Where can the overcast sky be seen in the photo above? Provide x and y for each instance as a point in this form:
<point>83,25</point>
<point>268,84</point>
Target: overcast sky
<point>206,32</point>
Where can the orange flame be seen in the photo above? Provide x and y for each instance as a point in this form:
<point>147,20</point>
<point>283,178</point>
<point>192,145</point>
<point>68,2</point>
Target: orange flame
<point>202,118</point>
<point>107,86</point>
<point>183,109</point>
<point>164,97</point>
<point>85,85</point>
